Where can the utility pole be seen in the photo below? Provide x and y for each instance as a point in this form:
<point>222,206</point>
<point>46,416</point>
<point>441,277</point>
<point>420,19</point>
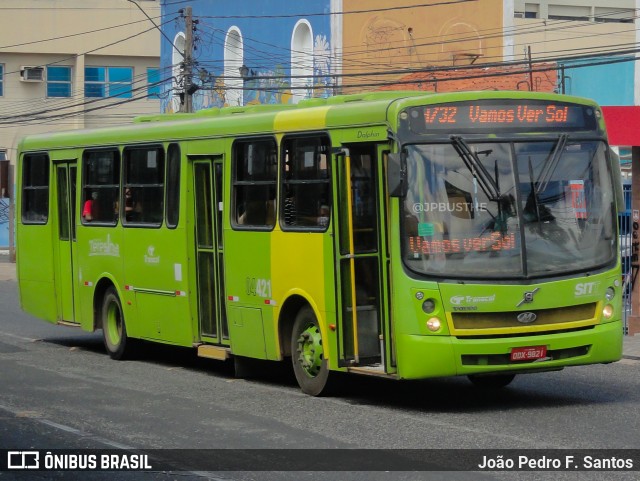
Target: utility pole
<point>188,61</point>
<point>530,69</point>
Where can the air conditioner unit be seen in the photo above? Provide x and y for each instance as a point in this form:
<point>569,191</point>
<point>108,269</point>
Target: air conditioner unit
<point>32,74</point>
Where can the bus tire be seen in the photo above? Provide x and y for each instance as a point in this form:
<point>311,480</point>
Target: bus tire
<point>493,381</point>
<point>307,354</point>
<point>114,331</point>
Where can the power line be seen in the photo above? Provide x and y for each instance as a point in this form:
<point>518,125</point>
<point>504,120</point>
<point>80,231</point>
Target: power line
<point>269,55</point>
<point>325,14</point>
<point>156,26</point>
<point>71,35</point>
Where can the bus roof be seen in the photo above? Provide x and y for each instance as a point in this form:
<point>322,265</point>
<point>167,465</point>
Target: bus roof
<point>308,115</point>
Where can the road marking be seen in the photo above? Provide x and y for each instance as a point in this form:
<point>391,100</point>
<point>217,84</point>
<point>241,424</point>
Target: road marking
<point>27,339</point>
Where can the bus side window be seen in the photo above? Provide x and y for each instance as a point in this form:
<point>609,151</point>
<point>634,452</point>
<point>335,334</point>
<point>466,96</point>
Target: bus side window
<point>35,189</point>
<point>306,199</point>
<point>101,186</point>
<point>144,186</point>
<point>173,186</point>
<point>254,183</point>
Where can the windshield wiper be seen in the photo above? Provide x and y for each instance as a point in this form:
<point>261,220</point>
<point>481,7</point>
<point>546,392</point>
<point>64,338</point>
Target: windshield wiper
<point>551,163</point>
<point>479,172</point>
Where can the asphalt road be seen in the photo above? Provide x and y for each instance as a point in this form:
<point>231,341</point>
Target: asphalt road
<point>59,390</point>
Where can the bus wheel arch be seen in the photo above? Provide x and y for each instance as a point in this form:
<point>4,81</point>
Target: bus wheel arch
<point>98,298</point>
<point>287,318</point>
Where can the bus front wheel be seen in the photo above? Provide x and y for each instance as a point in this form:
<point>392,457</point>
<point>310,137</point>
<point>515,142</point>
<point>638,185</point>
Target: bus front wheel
<point>493,381</point>
<point>307,354</point>
<point>114,331</point>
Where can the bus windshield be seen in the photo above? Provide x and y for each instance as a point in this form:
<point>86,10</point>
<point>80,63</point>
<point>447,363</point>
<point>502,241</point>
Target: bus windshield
<point>508,209</point>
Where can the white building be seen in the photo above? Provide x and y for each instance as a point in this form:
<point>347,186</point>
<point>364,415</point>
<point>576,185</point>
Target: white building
<point>70,64</point>
<point>61,60</point>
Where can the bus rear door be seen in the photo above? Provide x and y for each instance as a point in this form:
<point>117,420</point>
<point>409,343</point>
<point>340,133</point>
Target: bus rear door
<point>212,314</point>
<point>65,264</point>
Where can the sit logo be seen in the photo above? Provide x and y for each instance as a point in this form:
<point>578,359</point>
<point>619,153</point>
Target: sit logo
<point>585,288</point>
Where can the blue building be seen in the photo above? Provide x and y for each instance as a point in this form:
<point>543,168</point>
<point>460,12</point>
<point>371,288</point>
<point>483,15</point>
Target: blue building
<point>248,52</point>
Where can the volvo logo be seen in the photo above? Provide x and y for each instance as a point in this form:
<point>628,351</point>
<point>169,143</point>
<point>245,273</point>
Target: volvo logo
<point>527,317</point>
<point>527,297</point>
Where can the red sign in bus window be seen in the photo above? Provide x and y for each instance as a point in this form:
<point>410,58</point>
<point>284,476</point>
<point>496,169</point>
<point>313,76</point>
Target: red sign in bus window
<point>578,201</point>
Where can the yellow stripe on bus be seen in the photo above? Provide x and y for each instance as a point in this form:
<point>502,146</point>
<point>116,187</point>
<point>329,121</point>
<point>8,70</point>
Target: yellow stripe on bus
<point>307,119</point>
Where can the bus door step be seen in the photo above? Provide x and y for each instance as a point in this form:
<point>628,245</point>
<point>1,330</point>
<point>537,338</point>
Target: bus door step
<point>373,370</point>
<point>213,352</point>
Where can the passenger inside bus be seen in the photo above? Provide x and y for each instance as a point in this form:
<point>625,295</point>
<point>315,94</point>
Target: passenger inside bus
<point>323,218</point>
<point>132,208</point>
<point>89,208</point>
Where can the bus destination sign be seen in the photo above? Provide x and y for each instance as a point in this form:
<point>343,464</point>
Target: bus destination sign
<point>502,115</point>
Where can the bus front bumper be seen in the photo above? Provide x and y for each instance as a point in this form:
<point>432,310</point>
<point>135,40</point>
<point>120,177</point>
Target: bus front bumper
<point>422,357</point>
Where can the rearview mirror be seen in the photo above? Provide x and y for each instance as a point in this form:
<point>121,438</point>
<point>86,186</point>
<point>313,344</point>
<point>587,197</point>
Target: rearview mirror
<point>396,175</point>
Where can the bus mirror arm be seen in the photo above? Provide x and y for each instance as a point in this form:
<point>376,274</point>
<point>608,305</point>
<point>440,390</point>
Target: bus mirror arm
<point>396,175</point>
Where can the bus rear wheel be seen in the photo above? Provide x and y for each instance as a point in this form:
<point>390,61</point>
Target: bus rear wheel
<point>307,354</point>
<point>493,381</point>
<point>114,331</point>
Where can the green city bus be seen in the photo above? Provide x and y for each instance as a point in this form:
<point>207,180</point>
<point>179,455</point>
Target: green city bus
<point>405,235</point>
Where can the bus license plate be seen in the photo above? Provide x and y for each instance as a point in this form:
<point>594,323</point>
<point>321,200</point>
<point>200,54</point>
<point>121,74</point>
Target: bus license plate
<point>528,353</point>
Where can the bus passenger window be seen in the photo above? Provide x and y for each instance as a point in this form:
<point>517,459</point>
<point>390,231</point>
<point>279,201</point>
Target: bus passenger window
<point>101,185</point>
<point>173,185</point>
<point>306,203</point>
<point>35,189</point>
<point>254,183</point>
<point>144,186</point>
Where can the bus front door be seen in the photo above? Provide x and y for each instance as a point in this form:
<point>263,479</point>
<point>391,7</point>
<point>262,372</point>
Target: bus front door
<point>65,265</point>
<point>360,264</point>
<point>212,313</point>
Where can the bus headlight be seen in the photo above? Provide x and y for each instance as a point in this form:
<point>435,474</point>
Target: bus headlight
<point>607,312</point>
<point>610,293</point>
<point>434,324</point>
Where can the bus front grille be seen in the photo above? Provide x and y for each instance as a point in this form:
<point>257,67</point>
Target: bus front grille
<point>508,319</point>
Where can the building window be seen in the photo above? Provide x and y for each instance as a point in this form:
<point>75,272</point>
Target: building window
<point>153,83</point>
<point>108,82</point>
<point>254,183</point>
<point>613,15</point>
<point>306,199</point>
<point>233,62</point>
<point>58,81</point>
<point>569,12</point>
<point>35,189</point>
<point>101,184</point>
<point>301,61</point>
<point>143,186</point>
<point>531,10</point>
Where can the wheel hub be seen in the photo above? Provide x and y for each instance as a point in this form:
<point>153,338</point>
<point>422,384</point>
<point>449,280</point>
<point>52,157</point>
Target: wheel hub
<point>310,351</point>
